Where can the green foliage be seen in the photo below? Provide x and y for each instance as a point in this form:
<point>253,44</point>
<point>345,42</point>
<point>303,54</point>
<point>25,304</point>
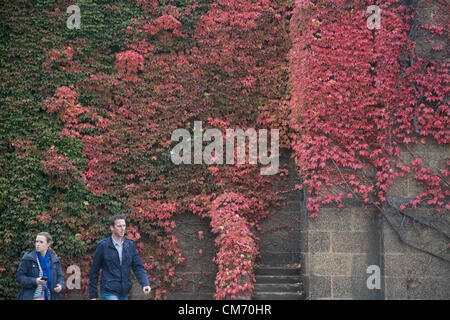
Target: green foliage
<point>29,203</point>
<point>88,114</point>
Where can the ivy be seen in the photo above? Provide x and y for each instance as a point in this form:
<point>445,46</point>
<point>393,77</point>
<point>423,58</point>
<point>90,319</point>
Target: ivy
<point>88,132</point>
<point>359,97</point>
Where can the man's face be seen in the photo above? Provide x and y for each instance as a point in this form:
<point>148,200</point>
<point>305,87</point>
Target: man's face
<point>118,229</point>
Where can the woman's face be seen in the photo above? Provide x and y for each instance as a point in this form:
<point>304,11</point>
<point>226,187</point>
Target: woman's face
<point>41,244</point>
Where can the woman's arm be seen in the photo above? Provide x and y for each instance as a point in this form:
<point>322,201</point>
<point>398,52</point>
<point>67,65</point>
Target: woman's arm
<point>22,277</point>
<point>60,277</point>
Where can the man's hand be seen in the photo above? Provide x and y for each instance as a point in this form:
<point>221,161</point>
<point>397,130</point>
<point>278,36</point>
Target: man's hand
<point>146,289</point>
<point>58,288</point>
<point>39,281</point>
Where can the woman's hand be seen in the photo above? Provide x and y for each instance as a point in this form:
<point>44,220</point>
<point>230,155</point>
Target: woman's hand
<point>58,288</point>
<point>39,281</point>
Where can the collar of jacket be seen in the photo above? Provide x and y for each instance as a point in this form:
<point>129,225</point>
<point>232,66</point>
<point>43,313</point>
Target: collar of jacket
<point>125,242</point>
<point>32,255</point>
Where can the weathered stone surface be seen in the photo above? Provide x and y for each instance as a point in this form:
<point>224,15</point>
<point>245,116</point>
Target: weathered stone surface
<point>415,264</point>
<point>320,287</point>
<point>329,264</point>
<point>354,242</point>
<point>331,220</point>
<point>319,242</point>
<point>395,288</point>
<point>362,219</point>
<point>280,235</point>
<point>198,274</point>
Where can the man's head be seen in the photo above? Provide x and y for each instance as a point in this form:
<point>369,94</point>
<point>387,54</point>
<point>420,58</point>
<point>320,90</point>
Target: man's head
<point>117,225</point>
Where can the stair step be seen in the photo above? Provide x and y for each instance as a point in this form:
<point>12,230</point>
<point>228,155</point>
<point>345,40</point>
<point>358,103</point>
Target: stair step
<point>277,271</point>
<point>277,287</point>
<point>277,279</point>
<point>279,296</point>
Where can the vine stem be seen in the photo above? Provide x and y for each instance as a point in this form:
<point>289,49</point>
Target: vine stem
<point>391,223</point>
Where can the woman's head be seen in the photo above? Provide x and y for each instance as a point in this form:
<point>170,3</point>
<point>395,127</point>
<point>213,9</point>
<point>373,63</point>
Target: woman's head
<point>43,241</point>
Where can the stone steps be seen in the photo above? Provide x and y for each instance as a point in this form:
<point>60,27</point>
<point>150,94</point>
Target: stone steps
<point>278,283</point>
<point>277,279</point>
<point>279,296</point>
<point>277,271</point>
<point>276,287</point>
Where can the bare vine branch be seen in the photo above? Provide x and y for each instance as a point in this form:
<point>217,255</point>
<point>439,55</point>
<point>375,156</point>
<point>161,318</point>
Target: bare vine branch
<point>398,229</point>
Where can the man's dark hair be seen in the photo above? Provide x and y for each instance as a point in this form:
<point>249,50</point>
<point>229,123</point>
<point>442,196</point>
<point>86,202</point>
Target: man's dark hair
<point>115,217</point>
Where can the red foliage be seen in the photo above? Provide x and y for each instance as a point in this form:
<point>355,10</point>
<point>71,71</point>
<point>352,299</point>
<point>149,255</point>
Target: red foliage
<point>354,102</point>
<point>229,70</point>
<point>128,63</point>
<point>58,167</point>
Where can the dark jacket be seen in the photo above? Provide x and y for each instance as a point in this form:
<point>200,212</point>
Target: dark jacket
<point>28,272</point>
<point>115,276</point>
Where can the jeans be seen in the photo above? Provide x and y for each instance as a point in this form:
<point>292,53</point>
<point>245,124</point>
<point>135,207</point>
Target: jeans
<point>110,296</point>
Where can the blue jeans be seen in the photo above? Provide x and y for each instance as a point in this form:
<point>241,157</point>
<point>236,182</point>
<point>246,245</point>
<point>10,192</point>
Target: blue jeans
<point>110,296</point>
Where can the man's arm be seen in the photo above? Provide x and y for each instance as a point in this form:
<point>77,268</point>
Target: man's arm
<point>95,270</point>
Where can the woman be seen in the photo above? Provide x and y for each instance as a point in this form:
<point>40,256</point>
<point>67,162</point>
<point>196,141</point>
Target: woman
<point>40,272</point>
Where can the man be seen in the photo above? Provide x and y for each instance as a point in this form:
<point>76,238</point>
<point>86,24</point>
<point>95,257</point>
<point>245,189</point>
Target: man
<point>116,256</point>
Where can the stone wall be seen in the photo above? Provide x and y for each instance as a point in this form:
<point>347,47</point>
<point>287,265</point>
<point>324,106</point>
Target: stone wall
<point>338,247</point>
<point>410,273</point>
<point>278,239</point>
<point>198,274</point>
<point>340,244</point>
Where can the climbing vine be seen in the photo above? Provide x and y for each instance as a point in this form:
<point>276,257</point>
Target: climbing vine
<point>88,125</point>
<point>360,98</point>
<point>120,96</point>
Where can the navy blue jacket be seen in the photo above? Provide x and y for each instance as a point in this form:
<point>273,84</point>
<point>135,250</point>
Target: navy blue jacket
<point>28,272</point>
<point>115,276</point>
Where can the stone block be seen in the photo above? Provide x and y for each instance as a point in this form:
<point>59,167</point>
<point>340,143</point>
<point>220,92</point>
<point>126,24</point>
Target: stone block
<point>399,187</point>
<point>319,242</point>
<point>331,220</point>
<point>445,288</point>
<point>341,287</point>
<point>414,188</point>
<point>329,264</point>
<point>425,288</point>
<point>363,219</point>
<point>280,240</point>
<point>319,287</point>
<point>355,242</point>
<point>415,264</point>
<point>396,265</point>
<point>278,258</point>
<point>395,288</point>
<point>391,240</point>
